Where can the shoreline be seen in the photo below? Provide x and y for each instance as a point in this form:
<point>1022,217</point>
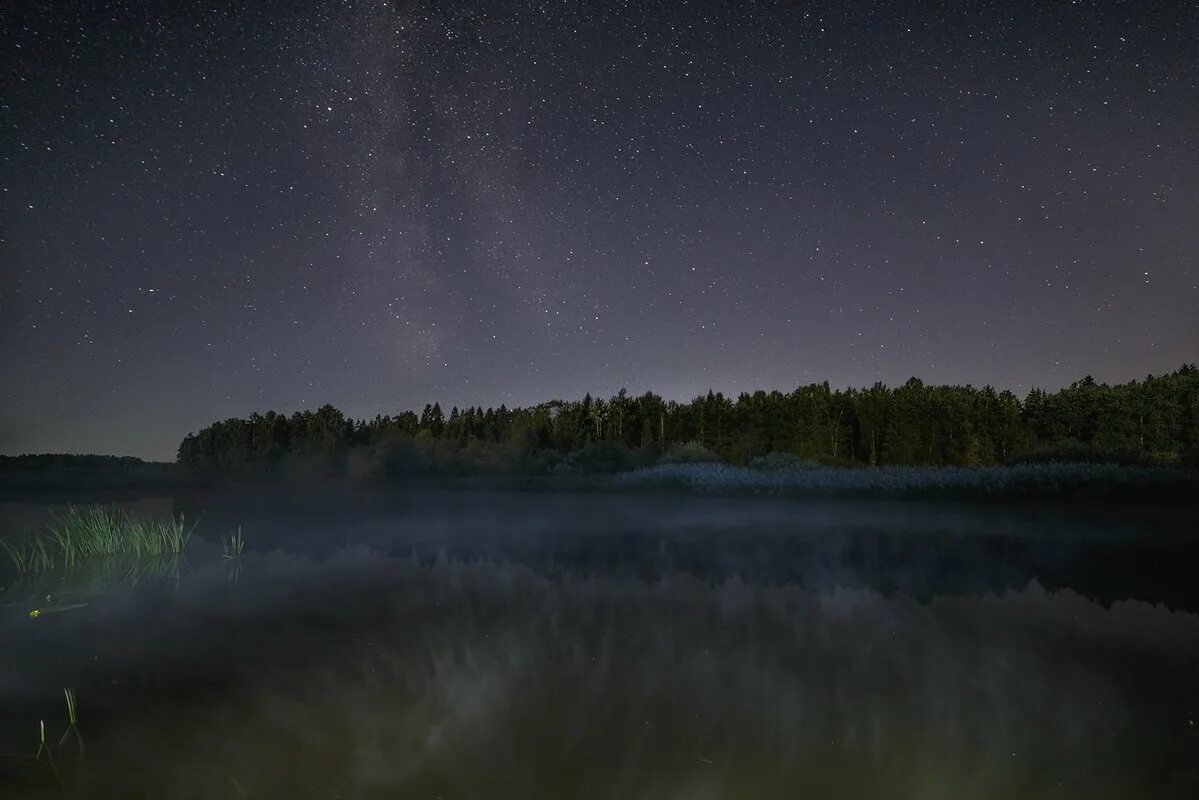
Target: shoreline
<point>1095,483</point>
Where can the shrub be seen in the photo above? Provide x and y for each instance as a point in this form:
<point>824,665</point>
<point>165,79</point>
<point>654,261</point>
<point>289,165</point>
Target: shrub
<point>598,458</point>
<point>538,462</point>
<point>688,453</point>
<point>783,461</point>
<point>477,458</point>
<point>364,463</point>
<point>1080,453</point>
<point>404,456</point>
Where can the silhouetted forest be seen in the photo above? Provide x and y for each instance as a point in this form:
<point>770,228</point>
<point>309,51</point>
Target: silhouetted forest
<point>1154,421</point>
<point>51,470</point>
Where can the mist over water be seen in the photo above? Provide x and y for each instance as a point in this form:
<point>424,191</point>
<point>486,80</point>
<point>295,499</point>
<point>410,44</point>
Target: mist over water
<point>485,644</point>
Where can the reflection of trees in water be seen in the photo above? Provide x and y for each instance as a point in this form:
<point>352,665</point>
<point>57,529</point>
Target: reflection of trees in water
<point>477,679</point>
<point>926,550</point>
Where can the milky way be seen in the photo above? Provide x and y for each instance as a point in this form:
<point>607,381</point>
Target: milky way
<point>209,209</point>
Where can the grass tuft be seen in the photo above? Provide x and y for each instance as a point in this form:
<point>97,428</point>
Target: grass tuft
<point>82,534</point>
<point>233,544</point>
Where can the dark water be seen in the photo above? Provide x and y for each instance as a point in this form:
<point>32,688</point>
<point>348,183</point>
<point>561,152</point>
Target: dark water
<point>473,644</point>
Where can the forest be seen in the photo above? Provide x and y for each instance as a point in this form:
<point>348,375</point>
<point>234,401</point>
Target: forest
<point>1152,421</point>
<point>62,470</point>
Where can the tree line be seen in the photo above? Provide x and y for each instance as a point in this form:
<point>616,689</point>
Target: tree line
<point>83,472</point>
<point>1155,420</point>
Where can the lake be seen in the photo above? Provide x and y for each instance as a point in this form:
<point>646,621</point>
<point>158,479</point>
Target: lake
<point>453,644</point>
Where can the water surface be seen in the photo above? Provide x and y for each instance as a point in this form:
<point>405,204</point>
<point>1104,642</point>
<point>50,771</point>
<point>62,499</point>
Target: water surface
<point>486,644</point>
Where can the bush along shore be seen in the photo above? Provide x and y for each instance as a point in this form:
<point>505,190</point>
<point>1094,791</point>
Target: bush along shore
<point>1047,480</point>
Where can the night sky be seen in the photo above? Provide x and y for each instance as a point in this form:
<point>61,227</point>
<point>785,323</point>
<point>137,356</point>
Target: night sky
<point>208,209</point>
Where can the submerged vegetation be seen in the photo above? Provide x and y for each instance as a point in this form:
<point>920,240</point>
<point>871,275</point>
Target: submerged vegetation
<point>1153,422</point>
<point>96,532</point>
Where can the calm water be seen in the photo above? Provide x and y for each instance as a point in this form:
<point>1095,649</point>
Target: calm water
<point>474,644</point>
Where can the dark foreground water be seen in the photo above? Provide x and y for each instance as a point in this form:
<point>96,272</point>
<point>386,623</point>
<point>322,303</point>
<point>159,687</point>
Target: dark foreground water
<point>490,645</point>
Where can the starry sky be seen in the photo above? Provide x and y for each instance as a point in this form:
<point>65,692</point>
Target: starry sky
<point>211,208</point>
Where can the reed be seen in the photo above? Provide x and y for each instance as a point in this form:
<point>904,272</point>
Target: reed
<point>72,721</point>
<point>233,544</point>
<point>82,534</point>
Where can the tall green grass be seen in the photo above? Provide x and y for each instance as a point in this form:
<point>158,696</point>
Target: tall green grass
<point>91,532</point>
